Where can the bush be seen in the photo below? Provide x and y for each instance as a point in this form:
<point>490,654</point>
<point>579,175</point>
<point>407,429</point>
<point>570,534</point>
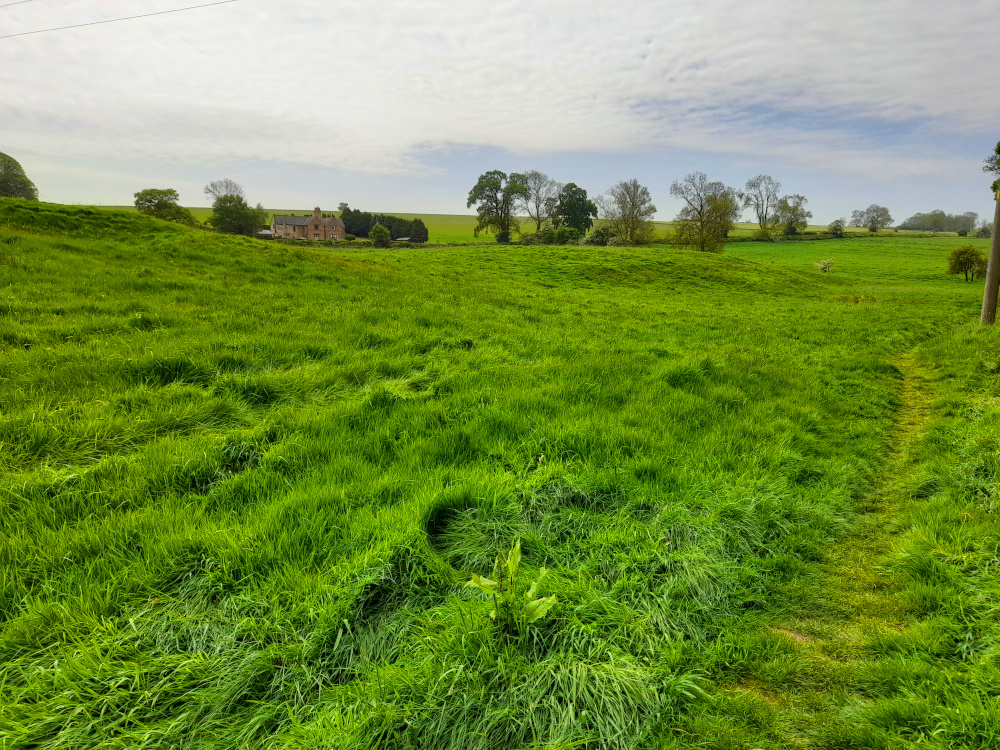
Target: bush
<point>837,228</point>
<point>825,265</point>
<point>602,236</point>
<point>984,232</point>
<point>379,235</point>
<point>565,235</point>
<point>350,237</point>
<point>963,232</point>
<point>503,238</point>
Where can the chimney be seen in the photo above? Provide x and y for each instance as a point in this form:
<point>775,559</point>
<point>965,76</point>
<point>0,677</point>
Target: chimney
<point>317,213</point>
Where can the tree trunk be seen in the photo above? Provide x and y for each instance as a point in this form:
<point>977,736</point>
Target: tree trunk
<point>989,314</point>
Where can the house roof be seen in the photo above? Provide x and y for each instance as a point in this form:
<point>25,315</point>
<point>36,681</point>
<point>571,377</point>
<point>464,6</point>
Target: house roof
<point>295,221</point>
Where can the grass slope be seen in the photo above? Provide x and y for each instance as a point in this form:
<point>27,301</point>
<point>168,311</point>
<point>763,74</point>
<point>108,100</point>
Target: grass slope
<point>242,485</point>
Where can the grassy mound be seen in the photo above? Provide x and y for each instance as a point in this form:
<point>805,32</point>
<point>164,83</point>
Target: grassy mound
<point>242,486</point>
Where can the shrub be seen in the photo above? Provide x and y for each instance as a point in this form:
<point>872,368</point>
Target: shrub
<point>503,238</point>
<point>825,265</point>
<point>601,236</point>
<point>984,232</point>
<point>963,232</point>
<point>837,228</point>
<point>967,260</point>
<point>565,235</point>
<point>350,237</point>
<point>379,236</point>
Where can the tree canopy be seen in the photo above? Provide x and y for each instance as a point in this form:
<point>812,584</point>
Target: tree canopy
<point>575,209</point>
<point>790,214</point>
<point>709,212</point>
<point>495,196</point>
<point>761,195</point>
<point>992,166</point>
<point>14,183</point>
<point>939,221</point>
<point>162,204</point>
<point>218,188</point>
<point>232,215</point>
<point>875,217</point>
<point>968,260</point>
<point>627,210</point>
<point>541,199</point>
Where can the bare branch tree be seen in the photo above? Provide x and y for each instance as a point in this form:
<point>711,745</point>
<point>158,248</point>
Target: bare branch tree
<point>542,198</point>
<point>762,195</point>
<point>709,212</point>
<point>218,188</point>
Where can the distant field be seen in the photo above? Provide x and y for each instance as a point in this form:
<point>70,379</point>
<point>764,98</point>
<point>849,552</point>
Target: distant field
<point>243,486</point>
<point>453,229</point>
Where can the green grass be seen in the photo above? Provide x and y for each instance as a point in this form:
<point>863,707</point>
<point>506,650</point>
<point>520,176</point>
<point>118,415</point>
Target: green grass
<point>242,486</point>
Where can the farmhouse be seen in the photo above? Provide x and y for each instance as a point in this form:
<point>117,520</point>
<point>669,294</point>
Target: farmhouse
<point>313,227</point>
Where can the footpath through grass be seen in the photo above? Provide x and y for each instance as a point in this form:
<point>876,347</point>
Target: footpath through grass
<point>242,486</point>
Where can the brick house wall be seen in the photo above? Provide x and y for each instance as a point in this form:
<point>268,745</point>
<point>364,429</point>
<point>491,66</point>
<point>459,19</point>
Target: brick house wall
<point>313,227</point>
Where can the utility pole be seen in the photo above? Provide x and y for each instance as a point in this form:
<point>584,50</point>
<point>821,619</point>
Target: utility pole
<point>989,314</point>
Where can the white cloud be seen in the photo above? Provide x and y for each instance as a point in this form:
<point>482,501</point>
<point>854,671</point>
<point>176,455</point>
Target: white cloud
<point>375,87</point>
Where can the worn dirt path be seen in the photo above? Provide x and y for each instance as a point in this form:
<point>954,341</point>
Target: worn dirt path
<point>851,595</point>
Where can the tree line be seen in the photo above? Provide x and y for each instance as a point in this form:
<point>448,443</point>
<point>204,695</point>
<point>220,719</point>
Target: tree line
<point>709,211</point>
<point>360,223</point>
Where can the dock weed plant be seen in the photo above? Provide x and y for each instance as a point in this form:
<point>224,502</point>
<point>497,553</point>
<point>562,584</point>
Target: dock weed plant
<point>243,486</point>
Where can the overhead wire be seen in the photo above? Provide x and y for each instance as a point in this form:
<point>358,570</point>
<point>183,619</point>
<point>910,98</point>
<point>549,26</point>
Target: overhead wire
<point>115,20</point>
<point>18,2</point>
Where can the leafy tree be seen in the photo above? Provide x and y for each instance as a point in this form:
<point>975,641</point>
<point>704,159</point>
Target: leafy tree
<point>967,260</point>
<point>875,217</point>
<point>14,183</point>
<point>232,215</point>
<point>837,227</point>
<point>218,188</point>
<point>985,231</point>
<point>379,235</point>
<point>575,209</point>
<point>992,166</point>
<point>761,195</point>
<point>790,214</point>
<point>627,210</point>
<point>162,204</point>
<point>418,232</point>
<point>342,206</point>
<point>709,212</point>
<point>495,196</point>
<point>541,199</point>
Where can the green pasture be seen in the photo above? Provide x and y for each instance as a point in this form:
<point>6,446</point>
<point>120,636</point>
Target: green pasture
<point>242,486</point>
<point>455,229</point>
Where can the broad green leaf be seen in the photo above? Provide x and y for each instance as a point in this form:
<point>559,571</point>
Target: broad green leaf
<point>537,609</point>
<point>514,560</point>
<point>483,584</point>
<point>533,589</point>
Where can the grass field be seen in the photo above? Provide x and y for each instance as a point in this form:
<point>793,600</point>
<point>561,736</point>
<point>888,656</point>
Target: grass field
<point>242,487</point>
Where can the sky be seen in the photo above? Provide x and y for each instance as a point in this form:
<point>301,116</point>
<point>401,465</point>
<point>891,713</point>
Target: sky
<point>400,105</point>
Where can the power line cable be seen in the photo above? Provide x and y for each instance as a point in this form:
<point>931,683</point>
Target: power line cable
<point>116,20</point>
<point>19,2</point>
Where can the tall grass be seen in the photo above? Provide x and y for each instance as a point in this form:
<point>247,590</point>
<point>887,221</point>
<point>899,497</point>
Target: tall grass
<point>241,486</point>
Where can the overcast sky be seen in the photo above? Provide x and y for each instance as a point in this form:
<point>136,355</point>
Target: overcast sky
<point>399,105</point>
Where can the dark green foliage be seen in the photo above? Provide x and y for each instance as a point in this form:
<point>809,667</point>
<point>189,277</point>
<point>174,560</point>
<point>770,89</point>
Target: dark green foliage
<point>984,232</point>
<point>963,232</point>
<point>575,209</point>
<point>379,236</point>
<point>495,196</point>
<point>360,223</point>
<point>14,183</point>
<point>162,204</point>
<point>967,260</point>
<point>790,214</point>
<point>992,166</point>
<point>232,215</point>
<point>563,235</point>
